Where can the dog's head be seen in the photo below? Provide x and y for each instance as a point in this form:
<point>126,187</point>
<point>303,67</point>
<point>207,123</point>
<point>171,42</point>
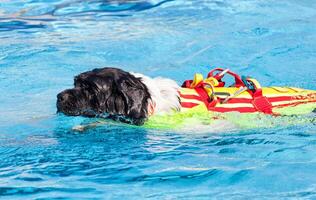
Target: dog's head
<point>110,91</point>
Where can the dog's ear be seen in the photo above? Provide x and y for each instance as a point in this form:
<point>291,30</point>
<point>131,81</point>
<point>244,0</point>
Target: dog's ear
<point>136,96</point>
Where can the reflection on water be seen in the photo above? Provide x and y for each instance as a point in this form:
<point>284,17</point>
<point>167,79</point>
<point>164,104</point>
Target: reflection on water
<point>36,16</point>
<point>86,7</point>
<point>15,25</point>
<point>43,44</point>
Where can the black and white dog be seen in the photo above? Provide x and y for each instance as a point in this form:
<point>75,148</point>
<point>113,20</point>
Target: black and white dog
<point>119,95</point>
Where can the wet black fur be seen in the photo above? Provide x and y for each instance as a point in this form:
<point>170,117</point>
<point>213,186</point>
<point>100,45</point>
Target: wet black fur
<point>107,92</point>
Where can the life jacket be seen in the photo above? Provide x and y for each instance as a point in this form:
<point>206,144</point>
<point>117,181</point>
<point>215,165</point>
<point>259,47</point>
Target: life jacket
<point>245,96</point>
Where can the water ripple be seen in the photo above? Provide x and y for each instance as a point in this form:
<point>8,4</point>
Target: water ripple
<point>9,191</point>
<point>81,7</point>
<point>179,175</point>
<point>44,43</point>
<point>17,25</point>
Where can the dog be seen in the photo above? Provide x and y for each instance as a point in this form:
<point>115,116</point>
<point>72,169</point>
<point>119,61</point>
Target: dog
<point>119,95</point>
<point>133,97</point>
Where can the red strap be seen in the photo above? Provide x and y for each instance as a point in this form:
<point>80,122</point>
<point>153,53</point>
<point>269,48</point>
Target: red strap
<point>209,103</point>
<point>187,83</point>
<point>260,102</point>
<point>238,80</point>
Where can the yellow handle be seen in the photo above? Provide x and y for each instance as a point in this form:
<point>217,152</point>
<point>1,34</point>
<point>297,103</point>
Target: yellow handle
<point>198,78</point>
<point>211,80</point>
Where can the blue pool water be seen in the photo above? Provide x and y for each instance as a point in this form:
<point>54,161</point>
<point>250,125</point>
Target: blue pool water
<point>44,43</point>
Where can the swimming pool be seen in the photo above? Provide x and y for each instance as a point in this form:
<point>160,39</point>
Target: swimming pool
<point>43,44</point>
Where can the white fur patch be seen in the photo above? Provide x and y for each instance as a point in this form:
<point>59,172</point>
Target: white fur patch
<point>163,91</point>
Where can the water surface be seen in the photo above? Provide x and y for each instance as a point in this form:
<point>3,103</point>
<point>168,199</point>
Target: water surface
<point>43,44</point>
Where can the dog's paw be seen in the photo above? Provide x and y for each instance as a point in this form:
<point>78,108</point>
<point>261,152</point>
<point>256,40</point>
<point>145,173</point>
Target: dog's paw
<point>79,128</point>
